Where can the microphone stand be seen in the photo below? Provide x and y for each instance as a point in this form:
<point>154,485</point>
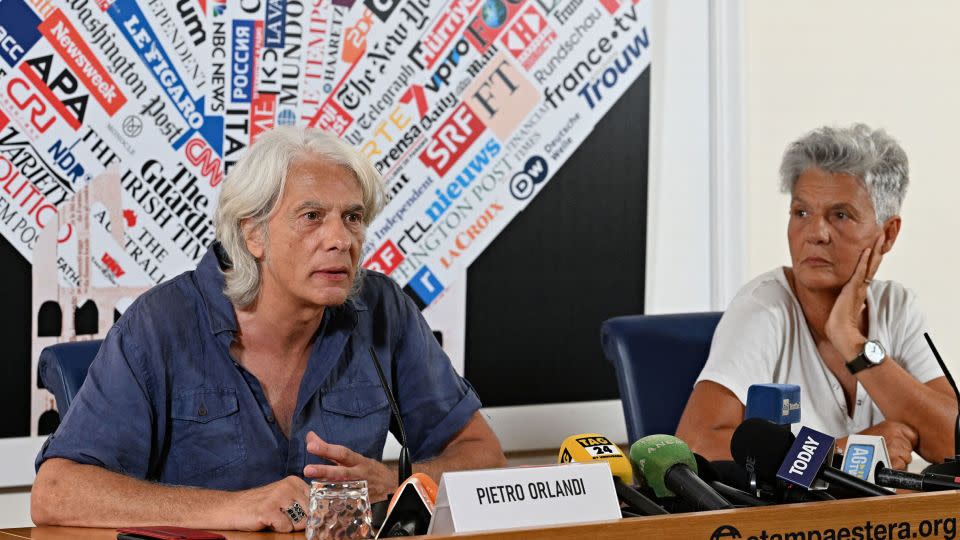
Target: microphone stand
<point>950,466</point>
<point>404,468</point>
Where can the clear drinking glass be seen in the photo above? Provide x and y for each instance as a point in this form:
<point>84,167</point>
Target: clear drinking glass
<point>339,510</point>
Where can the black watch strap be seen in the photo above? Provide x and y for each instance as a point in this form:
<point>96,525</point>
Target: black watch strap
<point>859,364</point>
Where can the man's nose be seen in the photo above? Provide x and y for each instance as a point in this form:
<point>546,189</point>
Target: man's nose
<point>338,236</point>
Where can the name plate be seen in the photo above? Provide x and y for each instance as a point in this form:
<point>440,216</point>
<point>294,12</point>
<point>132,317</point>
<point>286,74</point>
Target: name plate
<point>471,501</point>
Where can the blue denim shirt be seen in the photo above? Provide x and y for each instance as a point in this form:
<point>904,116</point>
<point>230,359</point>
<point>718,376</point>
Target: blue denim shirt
<point>165,401</point>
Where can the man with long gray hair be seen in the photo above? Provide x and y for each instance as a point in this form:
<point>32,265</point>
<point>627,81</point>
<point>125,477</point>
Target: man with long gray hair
<point>219,392</point>
<point>853,343</point>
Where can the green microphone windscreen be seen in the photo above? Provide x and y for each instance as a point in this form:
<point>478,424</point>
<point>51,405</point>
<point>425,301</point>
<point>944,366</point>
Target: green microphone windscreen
<point>653,456</point>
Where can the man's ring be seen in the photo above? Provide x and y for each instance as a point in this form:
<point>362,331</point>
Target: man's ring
<point>867,281</point>
<point>295,512</point>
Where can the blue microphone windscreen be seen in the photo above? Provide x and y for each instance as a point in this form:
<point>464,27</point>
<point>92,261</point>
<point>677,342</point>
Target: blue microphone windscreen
<point>778,403</point>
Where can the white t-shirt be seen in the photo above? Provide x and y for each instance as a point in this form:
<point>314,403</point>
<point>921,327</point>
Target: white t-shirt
<point>763,338</point>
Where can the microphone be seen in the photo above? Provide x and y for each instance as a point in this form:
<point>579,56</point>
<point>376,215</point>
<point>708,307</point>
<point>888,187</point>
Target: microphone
<point>411,508</point>
<point>590,447</point>
<point>378,509</point>
<point>759,446</point>
<point>732,474</point>
<point>918,482</point>
<point>709,474</point>
<point>669,468</point>
<point>807,460</point>
<point>956,392</point>
<point>778,403</point>
<point>863,454</point>
<point>950,466</point>
<point>404,468</point>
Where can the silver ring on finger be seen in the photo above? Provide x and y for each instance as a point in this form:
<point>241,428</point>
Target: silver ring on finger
<point>295,512</point>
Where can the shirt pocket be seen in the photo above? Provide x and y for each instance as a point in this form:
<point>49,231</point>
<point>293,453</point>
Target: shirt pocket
<point>357,416</point>
<point>206,435</point>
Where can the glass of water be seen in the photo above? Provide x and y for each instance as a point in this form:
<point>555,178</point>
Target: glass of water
<point>339,510</point>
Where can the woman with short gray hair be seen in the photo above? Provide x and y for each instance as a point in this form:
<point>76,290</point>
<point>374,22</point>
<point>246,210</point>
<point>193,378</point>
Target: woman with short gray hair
<point>870,155</point>
<point>853,344</point>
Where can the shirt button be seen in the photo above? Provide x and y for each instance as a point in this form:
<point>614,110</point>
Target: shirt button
<point>270,418</point>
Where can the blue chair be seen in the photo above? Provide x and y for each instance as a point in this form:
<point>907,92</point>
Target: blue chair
<point>657,359</point>
<point>63,367</point>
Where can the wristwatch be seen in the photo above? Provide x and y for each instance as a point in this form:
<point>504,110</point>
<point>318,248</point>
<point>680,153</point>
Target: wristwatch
<point>872,355</point>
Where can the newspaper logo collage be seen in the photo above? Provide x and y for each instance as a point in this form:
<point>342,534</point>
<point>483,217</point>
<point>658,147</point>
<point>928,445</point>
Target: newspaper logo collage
<point>120,119</point>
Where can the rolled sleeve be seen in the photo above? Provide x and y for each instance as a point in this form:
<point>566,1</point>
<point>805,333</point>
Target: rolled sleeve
<point>914,354</point>
<point>109,423</point>
<point>435,402</point>
<point>743,348</point>
<point>439,435</point>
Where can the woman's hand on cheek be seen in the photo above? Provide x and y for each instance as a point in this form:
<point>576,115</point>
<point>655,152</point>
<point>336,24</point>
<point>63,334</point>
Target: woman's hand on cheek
<point>843,324</point>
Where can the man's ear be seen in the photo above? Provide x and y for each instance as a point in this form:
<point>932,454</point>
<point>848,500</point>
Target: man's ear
<point>253,236</point>
<point>891,229</point>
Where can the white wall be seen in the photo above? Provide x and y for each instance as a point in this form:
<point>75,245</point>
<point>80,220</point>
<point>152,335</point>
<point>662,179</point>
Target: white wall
<point>887,63</point>
<point>678,211</point>
<point>15,507</point>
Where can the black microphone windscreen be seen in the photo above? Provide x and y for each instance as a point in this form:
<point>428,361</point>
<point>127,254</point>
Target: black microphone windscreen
<point>705,469</point>
<point>761,445</point>
<point>950,467</point>
<point>732,474</point>
<point>732,484</point>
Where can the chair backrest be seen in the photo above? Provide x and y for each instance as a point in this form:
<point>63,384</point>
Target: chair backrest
<point>63,367</point>
<point>657,359</point>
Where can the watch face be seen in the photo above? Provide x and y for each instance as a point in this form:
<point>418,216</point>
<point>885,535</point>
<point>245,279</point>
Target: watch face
<point>874,352</point>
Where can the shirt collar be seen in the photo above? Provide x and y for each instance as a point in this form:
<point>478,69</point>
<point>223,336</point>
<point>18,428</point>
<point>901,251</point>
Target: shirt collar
<point>220,312</point>
<point>210,281</point>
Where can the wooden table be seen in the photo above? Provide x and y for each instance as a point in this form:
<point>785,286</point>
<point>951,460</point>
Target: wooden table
<point>929,515</point>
